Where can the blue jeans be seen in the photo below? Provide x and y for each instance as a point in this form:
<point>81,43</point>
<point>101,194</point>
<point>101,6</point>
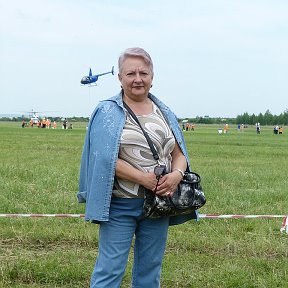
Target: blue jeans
<point>115,239</point>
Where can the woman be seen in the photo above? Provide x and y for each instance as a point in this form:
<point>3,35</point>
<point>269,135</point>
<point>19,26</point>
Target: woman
<point>117,166</point>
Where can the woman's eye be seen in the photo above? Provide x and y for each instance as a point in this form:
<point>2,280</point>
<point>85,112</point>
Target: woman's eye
<point>142,74</point>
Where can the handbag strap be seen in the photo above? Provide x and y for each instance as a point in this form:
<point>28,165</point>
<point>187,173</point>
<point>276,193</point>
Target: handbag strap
<point>150,143</point>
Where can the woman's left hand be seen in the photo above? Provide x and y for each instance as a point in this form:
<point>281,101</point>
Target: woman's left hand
<point>168,183</point>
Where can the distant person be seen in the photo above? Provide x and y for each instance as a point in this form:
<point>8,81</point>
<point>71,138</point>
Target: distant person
<point>276,129</point>
<point>48,123</point>
<point>43,125</point>
<point>280,130</point>
<point>64,124</point>
<point>183,126</point>
<point>117,168</point>
<point>31,123</point>
<point>54,125</point>
<point>258,129</point>
<point>23,123</point>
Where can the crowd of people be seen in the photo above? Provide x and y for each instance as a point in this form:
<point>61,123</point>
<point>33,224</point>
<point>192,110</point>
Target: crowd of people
<point>46,123</point>
<point>188,126</point>
<point>278,130</point>
<point>241,127</point>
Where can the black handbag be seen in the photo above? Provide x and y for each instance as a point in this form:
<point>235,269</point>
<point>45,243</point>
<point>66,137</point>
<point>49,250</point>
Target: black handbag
<point>187,198</point>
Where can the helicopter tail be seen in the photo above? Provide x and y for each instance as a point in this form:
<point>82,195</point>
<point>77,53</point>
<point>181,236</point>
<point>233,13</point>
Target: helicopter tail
<point>112,71</point>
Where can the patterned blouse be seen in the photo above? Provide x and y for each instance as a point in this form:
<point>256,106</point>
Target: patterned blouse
<point>135,150</point>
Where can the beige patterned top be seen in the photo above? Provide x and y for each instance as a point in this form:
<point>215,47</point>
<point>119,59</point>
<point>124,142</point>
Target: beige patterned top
<point>135,150</point>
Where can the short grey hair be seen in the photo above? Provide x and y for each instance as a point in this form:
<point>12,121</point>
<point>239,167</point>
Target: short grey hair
<point>135,52</point>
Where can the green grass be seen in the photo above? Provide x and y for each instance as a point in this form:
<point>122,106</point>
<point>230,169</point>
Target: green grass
<point>242,173</point>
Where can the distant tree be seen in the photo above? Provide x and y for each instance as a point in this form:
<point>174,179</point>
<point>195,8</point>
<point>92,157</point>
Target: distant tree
<point>281,119</point>
<point>285,117</point>
<point>253,119</point>
<point>260,119</point>
<point>268,117</point>
<point>5,119</point>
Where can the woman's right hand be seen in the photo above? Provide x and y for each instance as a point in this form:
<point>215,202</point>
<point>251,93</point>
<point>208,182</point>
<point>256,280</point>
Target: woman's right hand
<point>149,181</point>
<point>127,172</point>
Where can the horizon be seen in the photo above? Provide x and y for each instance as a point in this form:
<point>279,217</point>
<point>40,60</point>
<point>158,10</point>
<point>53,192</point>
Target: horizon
<point>41,115</point>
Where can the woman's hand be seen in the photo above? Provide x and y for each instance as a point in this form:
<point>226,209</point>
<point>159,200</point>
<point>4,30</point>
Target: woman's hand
<point>168,183</point>
<point>149,181</point>
<point>127,172</point>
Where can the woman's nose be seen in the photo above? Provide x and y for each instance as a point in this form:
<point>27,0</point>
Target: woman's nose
<point>137,77</point>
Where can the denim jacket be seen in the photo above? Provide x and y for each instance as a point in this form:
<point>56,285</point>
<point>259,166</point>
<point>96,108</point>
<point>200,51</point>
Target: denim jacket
<point>100,153</point>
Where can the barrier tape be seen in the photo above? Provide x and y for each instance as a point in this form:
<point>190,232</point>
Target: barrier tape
<point>235,216</point>
<point>43,215</point>
<point>199,215</point>
<point>284,227</point>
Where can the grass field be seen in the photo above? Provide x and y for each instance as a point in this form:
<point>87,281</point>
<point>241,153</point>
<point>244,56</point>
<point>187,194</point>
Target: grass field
<point>242,173</point>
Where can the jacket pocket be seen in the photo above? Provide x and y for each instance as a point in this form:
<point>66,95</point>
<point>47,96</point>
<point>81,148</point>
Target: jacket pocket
<point>81,196</point>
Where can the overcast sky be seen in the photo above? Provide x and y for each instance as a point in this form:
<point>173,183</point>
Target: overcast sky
<point>212,57</point>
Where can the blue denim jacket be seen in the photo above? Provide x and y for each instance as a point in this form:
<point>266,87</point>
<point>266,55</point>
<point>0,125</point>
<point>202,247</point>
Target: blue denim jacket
<point>100,153</point>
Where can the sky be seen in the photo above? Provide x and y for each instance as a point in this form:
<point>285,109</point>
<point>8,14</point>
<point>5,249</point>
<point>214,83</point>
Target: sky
<point>217,58</point>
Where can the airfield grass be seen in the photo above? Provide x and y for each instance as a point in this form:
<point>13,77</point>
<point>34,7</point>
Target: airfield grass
<point>242,173</point>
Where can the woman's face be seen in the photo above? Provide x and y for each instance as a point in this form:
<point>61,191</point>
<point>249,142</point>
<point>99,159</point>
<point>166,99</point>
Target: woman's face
<point>135,77</point>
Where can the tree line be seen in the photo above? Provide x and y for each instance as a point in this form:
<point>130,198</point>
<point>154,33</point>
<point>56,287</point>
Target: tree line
<point>264,119</point>
<point>250,119</point>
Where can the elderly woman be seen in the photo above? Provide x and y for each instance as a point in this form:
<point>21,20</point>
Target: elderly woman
<point>117,166</point>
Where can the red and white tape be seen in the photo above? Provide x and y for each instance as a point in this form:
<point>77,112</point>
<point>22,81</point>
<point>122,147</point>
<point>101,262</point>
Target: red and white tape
<point>235,216</point>
<point>199,215</point>
<point>43,215</point>
<point>284,227</point>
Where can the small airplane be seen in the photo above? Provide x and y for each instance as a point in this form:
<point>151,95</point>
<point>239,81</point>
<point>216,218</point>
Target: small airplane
<point>93,78</point>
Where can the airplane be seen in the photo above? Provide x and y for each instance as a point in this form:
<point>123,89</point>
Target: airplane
<point>93,78</point>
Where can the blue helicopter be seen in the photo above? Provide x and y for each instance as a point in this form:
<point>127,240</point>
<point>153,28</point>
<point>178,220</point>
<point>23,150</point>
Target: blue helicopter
<point>88,80</point>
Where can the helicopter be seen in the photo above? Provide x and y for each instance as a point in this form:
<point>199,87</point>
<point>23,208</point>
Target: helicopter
<point>88,80</point>
<point>33,115</point>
